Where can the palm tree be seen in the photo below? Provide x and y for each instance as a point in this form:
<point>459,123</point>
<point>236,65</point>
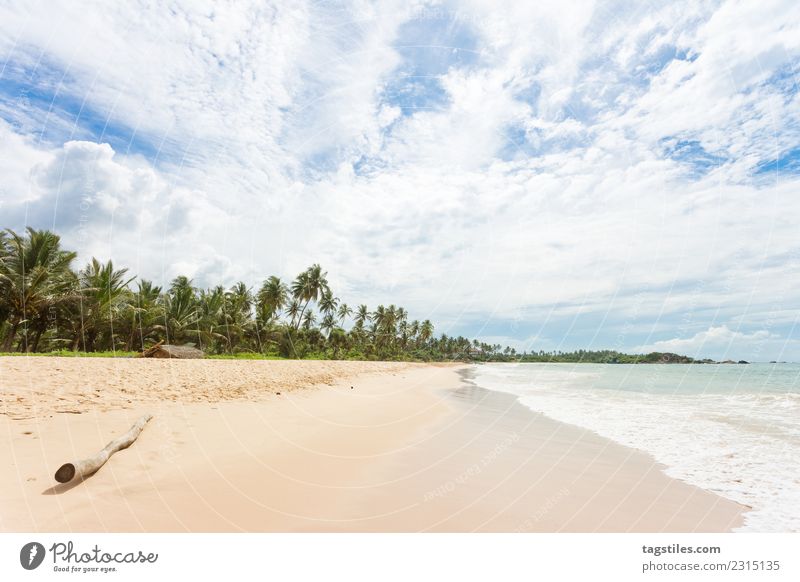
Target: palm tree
<point>377,317</point>
<point>5,250</point>
<point>293,311</point>
<point>103,292</point>
<point>309,319</point>
<point>145,311</point>
<point>403,329</point>
<point>238,306</point>
<point>328,303</point>
<point>344,312</point>
<point>271,298</point>
<point>386,327</point>
<point>39,291</point>
<point>309,286</point>
<point>211,319</point>
<point>240,298</point>
<point>35,275</point>
<point>362,316</point>
<point>425,331</point>
<point>358,331</point>
<point>181,313</point>
<point>413,331</point>
<point>328,323</point>
<point>338,340</point>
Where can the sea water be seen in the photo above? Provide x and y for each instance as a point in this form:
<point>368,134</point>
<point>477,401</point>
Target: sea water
<point>733,429</point>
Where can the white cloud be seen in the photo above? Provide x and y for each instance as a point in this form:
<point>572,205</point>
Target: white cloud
<point>721,342</point>
<point>273,144</point>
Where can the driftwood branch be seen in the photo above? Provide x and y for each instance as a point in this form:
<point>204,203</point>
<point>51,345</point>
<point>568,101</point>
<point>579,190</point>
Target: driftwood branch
<point>86,467</point>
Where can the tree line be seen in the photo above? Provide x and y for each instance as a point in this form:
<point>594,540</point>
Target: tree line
<point>46,305</point>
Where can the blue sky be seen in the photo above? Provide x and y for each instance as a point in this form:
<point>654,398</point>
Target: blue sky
<point>549,175</point>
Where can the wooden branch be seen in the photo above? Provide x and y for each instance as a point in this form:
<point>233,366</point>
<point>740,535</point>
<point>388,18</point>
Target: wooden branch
<point>87,467</point>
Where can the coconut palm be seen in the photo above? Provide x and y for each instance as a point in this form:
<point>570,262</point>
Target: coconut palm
<point>5,249</point>
<point>181,314</point>
<point>425,331</point>
<point>103,292</point>
<point>328,323</point>
<point>358,331</point>
<point>237,310</point>
<point>403,330</point>
<point>328,303</point>
<point>43,301</point>
<point>386,319</point>
<point>344,312</point>
<point>362,316</point>
<point>36,277</point>
<point>211,324</point>
<point>338,340</point>
<point>377,317</point>
<point>309,319</point>
<point>293,311</point>
<point>145,311</point>
<point>271,298</point>
<point>309,286</point>
<point>239,298</point>
<point>413,331</point>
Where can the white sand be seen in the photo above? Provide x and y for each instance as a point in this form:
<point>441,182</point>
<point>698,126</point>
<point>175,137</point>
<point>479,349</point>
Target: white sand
<point>408,448</point>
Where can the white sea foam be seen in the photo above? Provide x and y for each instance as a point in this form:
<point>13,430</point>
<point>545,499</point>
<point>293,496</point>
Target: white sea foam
<point>733,432</point>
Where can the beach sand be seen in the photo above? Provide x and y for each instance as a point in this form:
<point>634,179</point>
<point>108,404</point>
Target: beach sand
<point>315,446</point>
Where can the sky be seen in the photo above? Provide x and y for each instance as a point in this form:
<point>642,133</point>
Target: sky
<point>544,175</point>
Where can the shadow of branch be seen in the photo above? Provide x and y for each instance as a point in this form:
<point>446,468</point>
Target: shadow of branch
<point>62,488</point>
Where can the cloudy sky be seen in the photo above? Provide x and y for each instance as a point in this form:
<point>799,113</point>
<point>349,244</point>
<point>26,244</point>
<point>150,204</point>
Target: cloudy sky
<point>551,175</point>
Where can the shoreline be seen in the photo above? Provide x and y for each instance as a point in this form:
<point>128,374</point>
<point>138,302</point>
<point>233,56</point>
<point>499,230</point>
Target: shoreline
<point>636,496</point>
<point>410,447</point>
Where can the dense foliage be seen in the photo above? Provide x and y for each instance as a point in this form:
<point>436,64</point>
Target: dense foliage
<point>47,306</point>
<point>609,357</point>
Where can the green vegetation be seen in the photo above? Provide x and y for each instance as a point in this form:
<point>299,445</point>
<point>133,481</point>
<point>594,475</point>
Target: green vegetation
<point>48,308</point>
<point>609,357</point>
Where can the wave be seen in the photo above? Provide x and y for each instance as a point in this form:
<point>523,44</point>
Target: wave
<point>743,445</point>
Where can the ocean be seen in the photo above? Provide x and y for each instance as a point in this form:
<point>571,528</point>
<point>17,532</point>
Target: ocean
<point>733,429</point>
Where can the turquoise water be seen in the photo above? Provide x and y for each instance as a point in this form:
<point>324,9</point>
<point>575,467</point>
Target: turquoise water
<point>731,429</point>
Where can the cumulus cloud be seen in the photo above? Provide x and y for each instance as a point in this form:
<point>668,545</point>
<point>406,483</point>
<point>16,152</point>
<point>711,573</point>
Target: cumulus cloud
<point>595,170</point>
<point>717,341</point>
<point>113,206</point>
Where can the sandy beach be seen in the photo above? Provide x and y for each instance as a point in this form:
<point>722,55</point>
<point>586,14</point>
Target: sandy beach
<point>316,446</point>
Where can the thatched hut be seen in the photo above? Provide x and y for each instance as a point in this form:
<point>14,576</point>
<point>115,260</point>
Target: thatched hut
<point>161,350</point>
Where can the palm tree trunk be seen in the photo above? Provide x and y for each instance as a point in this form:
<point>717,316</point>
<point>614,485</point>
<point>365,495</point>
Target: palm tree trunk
<point>258,335</point>
<point>12,333</point>
<point>300,317</point>
<point>36,338</point>
<point>90,340</point>
<point>297,327</point>
<point>129,343</point>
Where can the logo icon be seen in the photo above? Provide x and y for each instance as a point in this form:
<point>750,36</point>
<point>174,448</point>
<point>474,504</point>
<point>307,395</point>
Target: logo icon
<point>31,555</point>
